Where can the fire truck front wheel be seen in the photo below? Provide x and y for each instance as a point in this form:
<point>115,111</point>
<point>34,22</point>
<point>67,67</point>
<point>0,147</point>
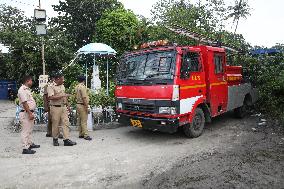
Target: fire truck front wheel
<point>195,128</point>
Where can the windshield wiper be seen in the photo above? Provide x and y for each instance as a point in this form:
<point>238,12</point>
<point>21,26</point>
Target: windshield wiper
<point>134,78</point>
<point>156,74</point>
<point>131,77</point>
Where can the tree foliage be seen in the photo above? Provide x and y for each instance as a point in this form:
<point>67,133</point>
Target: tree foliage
<point>16,31</point>
<point>118,28</point>
<point>79,17</point>
<point>239,10</point>
<point>267,74</point>
<point>207,19</point>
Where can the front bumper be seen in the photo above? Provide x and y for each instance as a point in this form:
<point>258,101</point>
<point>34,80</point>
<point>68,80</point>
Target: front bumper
<point>150,123</point>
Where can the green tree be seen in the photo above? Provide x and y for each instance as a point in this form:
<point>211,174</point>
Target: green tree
<point>183,13</point>
<point>206,19</point>
<point>18,32</point>
<point>241,9</point>
<point>79,17</point>
<point>269,79</point>
<point>119,29</point>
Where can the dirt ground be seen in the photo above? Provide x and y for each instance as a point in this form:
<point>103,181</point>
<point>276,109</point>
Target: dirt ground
<point>231,153</point>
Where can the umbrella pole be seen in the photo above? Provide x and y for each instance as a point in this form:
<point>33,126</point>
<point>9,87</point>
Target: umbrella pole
<point>86,74</point>
<point>107,78</point>
<point>94,63</point>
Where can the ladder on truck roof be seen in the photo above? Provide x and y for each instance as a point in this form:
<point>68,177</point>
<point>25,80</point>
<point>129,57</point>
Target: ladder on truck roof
<point>198,37</point>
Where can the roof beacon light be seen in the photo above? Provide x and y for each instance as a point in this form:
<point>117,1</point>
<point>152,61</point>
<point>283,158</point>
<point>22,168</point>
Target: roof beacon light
<point>155,44</point>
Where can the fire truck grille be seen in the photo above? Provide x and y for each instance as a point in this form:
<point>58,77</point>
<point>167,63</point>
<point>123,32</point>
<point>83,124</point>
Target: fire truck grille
<point>140,108</point>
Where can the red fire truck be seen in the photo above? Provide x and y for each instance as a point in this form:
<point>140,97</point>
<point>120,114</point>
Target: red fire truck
<point>163,87</point>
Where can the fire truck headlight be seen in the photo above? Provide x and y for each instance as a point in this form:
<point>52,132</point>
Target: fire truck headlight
<point>119,106</point>
<point>167,110</point>
<point>164,110</point>
<point>173,110</point>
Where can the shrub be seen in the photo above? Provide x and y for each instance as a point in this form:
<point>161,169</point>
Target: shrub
<point>39,99</point>
<point>267,74</point>
<point>98,98</point>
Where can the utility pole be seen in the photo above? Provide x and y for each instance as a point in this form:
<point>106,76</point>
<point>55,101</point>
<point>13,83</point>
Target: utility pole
<point>42,55</point>
<point>40,17</point>
<point>42,47</point>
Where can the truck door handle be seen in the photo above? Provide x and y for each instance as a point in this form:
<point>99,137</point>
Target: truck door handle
<point>200,91</point>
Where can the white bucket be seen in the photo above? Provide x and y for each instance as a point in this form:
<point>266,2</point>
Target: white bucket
<point>90,122</point>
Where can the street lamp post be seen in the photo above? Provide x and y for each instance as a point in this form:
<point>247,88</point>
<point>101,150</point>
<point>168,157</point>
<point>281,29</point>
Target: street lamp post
<point>40,17</point>
<point>42,55</point>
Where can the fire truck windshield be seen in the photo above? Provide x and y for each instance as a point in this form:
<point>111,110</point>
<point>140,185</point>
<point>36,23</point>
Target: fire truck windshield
<point>156,65</point>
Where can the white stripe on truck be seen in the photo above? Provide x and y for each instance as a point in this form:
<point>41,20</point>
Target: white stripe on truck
<point>186,105</point>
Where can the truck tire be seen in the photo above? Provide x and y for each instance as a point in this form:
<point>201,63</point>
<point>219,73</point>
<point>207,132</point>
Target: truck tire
<point>242,111</point>
<point>195,128</point>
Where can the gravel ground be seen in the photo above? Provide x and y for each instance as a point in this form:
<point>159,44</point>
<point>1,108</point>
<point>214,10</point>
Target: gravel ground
<point>231,153</point>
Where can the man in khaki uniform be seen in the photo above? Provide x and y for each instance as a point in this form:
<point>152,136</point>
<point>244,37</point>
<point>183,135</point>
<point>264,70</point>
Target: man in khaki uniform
<point>47,108</point>
<point>82,100</point>
<point>27,117</point>
<point>58,109</point>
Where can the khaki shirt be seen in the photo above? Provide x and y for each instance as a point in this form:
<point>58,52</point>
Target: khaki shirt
<point>81,92</point>
<point>56,90</point>
<point>25,95</point>
<point>46,101</point>
<point>46,86</point>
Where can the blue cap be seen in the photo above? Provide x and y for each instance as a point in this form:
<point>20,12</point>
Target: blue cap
<point>81,78</point>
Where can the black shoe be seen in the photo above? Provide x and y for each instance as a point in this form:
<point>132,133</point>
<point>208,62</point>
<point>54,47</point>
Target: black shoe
<point>88,138</point>
<point>68,142</point>
<point>34,146</point>
<point>55,142</point>
<point>60,136</point>
<point>28,151</point>
<point>48,135</point>
<point>81,136</point>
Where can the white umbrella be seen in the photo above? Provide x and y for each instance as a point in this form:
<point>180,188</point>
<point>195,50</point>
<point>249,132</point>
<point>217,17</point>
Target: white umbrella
<point>99,49</point>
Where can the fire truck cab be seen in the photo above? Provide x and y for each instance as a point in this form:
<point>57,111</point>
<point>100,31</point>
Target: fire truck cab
<point>166,87</point>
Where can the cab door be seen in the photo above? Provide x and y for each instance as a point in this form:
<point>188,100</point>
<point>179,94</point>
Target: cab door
<point>218,84</point>
<point>191,81</point>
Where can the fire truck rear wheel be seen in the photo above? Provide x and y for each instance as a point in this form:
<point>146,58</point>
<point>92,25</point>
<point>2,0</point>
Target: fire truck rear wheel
<point>195,128</point>
<point>242,111</point>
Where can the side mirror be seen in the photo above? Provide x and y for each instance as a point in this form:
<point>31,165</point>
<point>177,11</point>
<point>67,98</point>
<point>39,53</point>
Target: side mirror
<point>184,71</point>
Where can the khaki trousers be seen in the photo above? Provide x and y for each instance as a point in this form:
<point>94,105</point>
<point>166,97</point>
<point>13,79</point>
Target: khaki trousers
<point>27,128</point>
<point>49,123</point>
<point>82,120</point>
<point>59,115</point>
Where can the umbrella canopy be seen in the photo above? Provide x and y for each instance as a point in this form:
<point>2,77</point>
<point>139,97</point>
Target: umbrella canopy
<point>97,48</point>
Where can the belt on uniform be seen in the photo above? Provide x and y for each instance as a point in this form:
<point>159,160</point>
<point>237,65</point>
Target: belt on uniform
<point>59,105</point>
<point>25,110</point>
<point>81,103</point>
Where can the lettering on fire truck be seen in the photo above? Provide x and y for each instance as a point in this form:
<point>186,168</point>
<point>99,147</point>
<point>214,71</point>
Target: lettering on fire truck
<point>196,78</point>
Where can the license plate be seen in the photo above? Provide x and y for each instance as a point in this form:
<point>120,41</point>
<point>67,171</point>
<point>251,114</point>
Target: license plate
<point>136,123</point>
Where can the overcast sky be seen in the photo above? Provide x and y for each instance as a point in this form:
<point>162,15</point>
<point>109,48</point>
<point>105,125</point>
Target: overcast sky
<point>265,26</point>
